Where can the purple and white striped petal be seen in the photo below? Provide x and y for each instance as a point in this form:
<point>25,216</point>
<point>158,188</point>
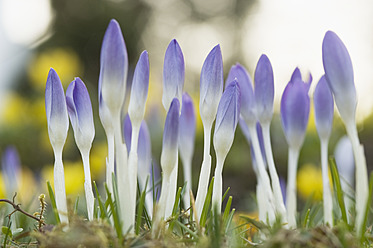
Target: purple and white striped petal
<point>339,74</point>
<point>79,108</point>
<point>187,130</point>
<point>113,68</point>
<point>295,108</point>
<point>227,118</point>
<point>211,85</point>
<point>173,74</point>
<point>55,106</point>
<point>247,102</point>
<point>170,137</point>
<point>324,108</point>
<point>139,90</point>
<point>264,89</point>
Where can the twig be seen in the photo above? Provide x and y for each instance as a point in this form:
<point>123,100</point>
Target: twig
<point>17,208</point>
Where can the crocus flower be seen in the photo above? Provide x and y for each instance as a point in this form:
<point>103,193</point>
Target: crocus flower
<point>80,111</point>
<point>187,133</point>
<point>173,74</point>
<point>11,167</point>
<point>127,131</point>
<point>248,110</point>
<point>169,156</point>
<point>264,89</point>
<point>211,85</point>
<point>324,110</point>
<point>58,125</point>
<point>113,68</point>
<point>211,88</point>
<point>225,127</point>
<point>139,90</point>
<point>340,76</point>
<point>295,108</point>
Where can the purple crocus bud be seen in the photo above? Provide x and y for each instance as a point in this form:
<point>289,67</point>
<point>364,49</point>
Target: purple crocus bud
<point>227,118</point>
<point>211,85</point>
<point>55,106</point>
<point>297,76</point>
<point>139,91</point>
<point>324,108</point>
<point>339,74</point>
<point>247,103</point>
<point>264,89</point>
<point>79,108</point>
<point>113,68</point>
<point>127,131</point>
<point>170,137</point>
<point>295,108</point>
<point>187,127</point>
<point>11,167</point>
<point>173,74</point>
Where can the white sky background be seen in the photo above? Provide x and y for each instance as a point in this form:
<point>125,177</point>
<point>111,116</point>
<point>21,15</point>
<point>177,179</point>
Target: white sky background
<point>290,32</point>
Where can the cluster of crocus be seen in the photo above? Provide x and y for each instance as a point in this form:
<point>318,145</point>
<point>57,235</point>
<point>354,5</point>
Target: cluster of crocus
<point>129,158</point>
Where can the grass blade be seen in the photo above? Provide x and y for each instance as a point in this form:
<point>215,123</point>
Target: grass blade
<point>225,194</point>
<point>206,205</point>
<point>114,211</point>
<point>227,210</point>
<point>53,202</point>
<point>364,225</point>
<point>140,208</point>
<point>176,207</point>
<point>338,189</point>
<point>103,212</point>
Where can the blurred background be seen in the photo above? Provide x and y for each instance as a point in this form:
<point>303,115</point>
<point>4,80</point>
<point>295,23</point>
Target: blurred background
<point>66,35</point>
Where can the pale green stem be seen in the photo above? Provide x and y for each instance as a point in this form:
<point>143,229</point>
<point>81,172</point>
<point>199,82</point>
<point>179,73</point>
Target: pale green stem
<point>59,185</point>
<point>266,184</point>
<point>187,169</point>
<point>204,175</point>
<point>110,165</point>
<point>217,191</point>
<point>172,190</point>
<point>122,177</point>
<point>279,200</point>
<point>361,175</point>
<point>90,199</point>
<point>132,170</point>
<point>291,190</point>
<point>327,195</point>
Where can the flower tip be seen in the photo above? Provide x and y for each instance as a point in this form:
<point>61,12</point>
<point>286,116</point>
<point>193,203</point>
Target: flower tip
<point>296,75</point>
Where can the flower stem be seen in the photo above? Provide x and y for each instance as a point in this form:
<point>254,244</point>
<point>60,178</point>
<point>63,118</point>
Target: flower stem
<point>59,185</point>
<point>132,169</point>
<point>218,182</point>
<point>204,175</point>
<point>110,165</point>
<point>361,174</point>
<point>88,184</point>
<point>279,200</point>
<point>327,195</point>
<point>187,169</point>
<point>291,190</point>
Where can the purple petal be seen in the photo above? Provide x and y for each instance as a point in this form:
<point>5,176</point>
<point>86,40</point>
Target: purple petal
<point>127,132</point>
<point>173,74</point>
<point>264,89</point>
<point>339,74</point>
<point>211,84</point>
<point>187,130</point>
<point>324,108</point>
<point>80,111</point>
<point>144,152</point>
<point>113,67</point>
<point>227,117</point>
<point>55,106</point>
<point>11,166</point>
<point>171,127</point>
<point>139,91</point>
<point>295,108</point>
<point>248,110</point>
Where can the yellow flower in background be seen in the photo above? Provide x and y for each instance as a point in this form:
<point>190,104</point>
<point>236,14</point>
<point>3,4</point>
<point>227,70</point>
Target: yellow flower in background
<point>309,181</point>
<point>98,161</point>
<point>64,60</point>
<point>2,187</point>
<point>74,177</point>
<point>14,113</point>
